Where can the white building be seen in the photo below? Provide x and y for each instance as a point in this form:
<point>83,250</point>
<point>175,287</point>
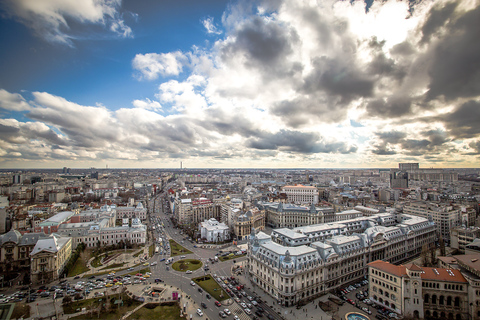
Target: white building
<point>301,194</point>
<point>138,212</point>
<point>214,231</point>
<point>305,262</point>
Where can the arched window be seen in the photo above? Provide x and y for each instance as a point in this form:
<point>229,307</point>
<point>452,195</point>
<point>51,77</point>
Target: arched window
<point>441,300</point>
<point>457,301</point>
<point>449,301</point>
<point>434,299</point>
<point>426,298</point>
<point>459,317</point>
<point>435,314</point>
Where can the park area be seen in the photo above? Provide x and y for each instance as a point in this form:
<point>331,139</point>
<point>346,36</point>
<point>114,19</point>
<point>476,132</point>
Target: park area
<point>208,284</point>
<point>177,250</point>
<point>187,264</point>
<point>165,311</point>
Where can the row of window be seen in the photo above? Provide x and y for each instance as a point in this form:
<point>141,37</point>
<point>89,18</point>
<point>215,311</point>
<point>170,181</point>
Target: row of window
<point>384,275</point>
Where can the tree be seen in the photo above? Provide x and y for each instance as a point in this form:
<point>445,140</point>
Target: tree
<point>433,256</point>
<point>442,247</point>
<point>424,256</point>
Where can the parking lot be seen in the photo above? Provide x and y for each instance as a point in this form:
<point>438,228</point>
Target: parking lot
<point>356,299</point>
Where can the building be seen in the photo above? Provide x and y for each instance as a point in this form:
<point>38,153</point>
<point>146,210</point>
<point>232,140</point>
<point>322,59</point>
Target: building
<point>460,237</point>
<point>15,249</point>
<point>51,224</point>
<point>420,292</point>
<point>347,215</point>
<point>213,231</point>
<point>301,264</point>
<point>301,194</point>
<point>279,215</point>
<point>417,174</point>
<point>193,211</point>
<point>245,221</point>
<point>139,212</point>
<point>445,216</point>
<point>398,179</point>
<point>49,257</point>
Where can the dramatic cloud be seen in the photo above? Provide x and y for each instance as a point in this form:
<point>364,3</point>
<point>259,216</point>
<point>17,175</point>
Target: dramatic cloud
<point>52,19</point>
<point>296,81</point>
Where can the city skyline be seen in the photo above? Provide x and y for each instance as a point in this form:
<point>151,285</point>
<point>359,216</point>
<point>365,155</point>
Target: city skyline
<point>239,84</point>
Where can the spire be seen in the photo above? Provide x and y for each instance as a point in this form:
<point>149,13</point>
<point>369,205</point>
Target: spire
<point>280,207</point>
<point>287,256</point>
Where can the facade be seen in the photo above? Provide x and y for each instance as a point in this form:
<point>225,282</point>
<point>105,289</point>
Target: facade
<point>279,215</point>
<point>460,237</point>
<point>305,262</point>
<point>138,212</point>
<point>49,257</point>
<point>213,231</point>
<point>51,224</point>
<point>420,292</point>
<point>301,194</point>
<point>15,249</point>
<point>244,222</point>
<point>193,211</point>
<point>347,215</point>
<point>445,216</point>
<point>398,179</point>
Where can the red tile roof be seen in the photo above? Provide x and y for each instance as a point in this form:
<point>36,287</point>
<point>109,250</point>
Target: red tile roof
<point>385,266</point>
<point>439,274</point>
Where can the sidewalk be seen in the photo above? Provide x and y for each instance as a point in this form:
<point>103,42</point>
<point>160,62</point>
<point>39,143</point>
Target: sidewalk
<point>309,311</point>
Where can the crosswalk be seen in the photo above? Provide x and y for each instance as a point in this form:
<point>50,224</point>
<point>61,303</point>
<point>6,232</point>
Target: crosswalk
<point>237,310</point>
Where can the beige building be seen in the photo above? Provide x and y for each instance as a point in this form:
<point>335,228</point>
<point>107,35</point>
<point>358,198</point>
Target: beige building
<point>49,257</point>
<point>301,194</point>
<point>445,216</point>
<point>420,292</point>
<point>15,249</point>
<point>244,222</point>
<point>460,237</point>
<point>280,215</point>
<point>194,211</point>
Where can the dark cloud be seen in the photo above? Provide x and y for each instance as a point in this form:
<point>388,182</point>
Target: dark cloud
<point>464,122</point>
<point>426,142</point>
<point>437,18</point>
<point>299,142</point>
<point>264,43</point>
<point>403,49</point>
<point>455,66</point>
<point>475,145</point>
<point>391,107</point>
<point>338,77</point>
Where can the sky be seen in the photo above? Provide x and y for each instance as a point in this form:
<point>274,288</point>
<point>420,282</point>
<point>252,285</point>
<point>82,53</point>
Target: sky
<point>239,84</point>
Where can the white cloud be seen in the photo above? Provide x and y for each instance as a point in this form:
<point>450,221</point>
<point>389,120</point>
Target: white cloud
<point>49,18</point>
<point>152,65</point>
<point>12,101</point>
<point>147,104</point>
<point>210,26</point>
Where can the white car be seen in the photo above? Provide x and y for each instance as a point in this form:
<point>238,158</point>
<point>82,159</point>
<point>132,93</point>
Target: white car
<point>189,271</point>
<point>235,317</point>
<point>244,306</point>
<point>254,302</point>
<point>247,311</point>
<point>227,312</point>
<point>199,312</point>
<point>192,283</point>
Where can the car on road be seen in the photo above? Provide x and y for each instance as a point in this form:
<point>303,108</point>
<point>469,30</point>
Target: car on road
<point>146,264</point>
<point>189,271</point>
<point>199,312</point>
<point>255,303</point>
<point>199,289</point>
<point>222,314</point>
<point>227,312</point>
<point>247,311</point>
<point>259,314</point>
<point>243,305</point>
<point>204,305</point>
<point>130,269</point>
<point>218,304</point>
<point>208,296</point>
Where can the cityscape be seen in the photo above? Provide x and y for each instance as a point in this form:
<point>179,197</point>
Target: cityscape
<point>240,160</point>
